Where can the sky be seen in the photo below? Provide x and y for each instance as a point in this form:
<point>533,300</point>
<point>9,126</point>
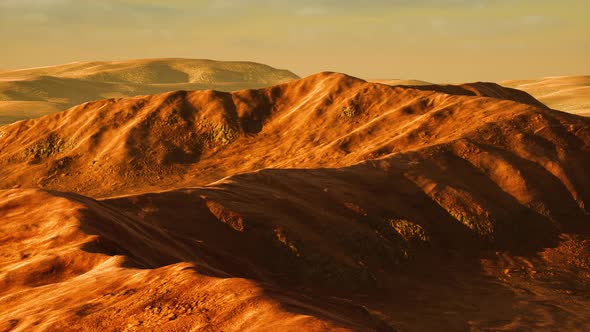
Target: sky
<point>432,40</point>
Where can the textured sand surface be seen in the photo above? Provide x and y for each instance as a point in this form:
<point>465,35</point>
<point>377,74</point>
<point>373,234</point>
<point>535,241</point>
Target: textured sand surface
<point>31,93</point>
<point>326,203</point>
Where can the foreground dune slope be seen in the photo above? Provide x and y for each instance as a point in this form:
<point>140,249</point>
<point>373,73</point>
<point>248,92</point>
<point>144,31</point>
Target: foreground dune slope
<point>71,263</point>
<point>31,93</point>
<point>238,254</point>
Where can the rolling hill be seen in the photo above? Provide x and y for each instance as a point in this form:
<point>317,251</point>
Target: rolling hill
<point>326,203</point>
<point>35,92</point>
<point>181,138</point>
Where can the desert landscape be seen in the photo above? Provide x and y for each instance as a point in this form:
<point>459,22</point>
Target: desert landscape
<point>383,208</point>
<point>262,166</point>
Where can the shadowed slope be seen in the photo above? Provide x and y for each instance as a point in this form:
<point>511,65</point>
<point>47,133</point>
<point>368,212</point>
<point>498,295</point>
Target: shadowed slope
<point>71,263</point>
<point>367,233</point>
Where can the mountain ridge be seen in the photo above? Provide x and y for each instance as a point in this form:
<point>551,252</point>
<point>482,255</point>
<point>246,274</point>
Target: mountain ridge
<point>189,127</point>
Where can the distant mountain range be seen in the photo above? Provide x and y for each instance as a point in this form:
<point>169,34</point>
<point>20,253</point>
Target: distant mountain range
<point>35,92</point>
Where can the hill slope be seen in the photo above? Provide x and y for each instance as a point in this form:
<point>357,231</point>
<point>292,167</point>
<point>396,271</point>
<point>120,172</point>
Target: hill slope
<point>567,93</point>
<point>35,92</point>
<point>180,139</point>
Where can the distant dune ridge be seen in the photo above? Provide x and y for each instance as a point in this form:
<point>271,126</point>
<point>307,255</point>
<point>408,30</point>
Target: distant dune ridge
<point>565,93</point>
<point>325,203</point>
<point>31,93</point>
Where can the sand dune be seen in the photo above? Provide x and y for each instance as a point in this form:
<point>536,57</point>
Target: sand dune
<point>326,203</point>
<point>30,93</point>
<point>565,93</point>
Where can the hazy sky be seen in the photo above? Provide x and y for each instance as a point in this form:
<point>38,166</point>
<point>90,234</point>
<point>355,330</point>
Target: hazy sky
<point>436,40</point>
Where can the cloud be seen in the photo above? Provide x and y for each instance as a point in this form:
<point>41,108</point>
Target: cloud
<point>32,4</point>
<point>312,11</point>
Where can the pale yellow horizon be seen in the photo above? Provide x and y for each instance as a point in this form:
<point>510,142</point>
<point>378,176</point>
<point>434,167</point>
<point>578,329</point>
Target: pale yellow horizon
<point>437,41</point>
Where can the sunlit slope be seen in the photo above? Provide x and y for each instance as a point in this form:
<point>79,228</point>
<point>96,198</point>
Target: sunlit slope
<point>183,138</point>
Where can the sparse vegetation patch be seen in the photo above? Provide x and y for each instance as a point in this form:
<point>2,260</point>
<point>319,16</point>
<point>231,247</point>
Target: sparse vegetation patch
<point>51,145</point>
<point>218,133</point>
<point>349,112</point>
<point>410,231</point>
